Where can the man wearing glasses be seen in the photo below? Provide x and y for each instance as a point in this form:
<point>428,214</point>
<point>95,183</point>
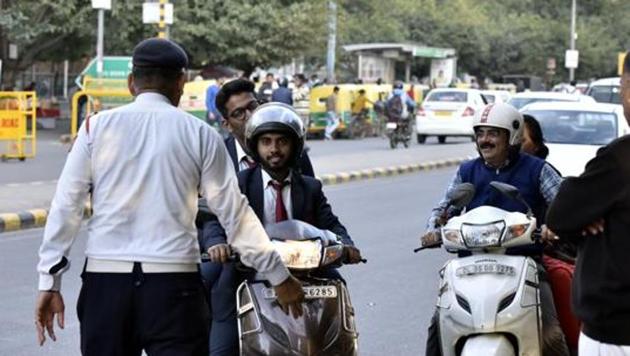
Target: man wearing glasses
<point>236,101</point>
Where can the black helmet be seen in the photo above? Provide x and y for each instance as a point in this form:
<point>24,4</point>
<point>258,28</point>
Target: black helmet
<point>398,84</point>
<point>275,117</point>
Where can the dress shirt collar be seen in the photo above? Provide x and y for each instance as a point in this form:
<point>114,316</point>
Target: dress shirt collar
<point>152,97</point>
<point>240,152</point>
<point>267,178</point>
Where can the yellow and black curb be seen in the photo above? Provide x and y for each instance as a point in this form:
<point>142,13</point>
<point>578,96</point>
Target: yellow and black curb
<point>29,219</point>
<point>339,178</point>
<point>37,217</point>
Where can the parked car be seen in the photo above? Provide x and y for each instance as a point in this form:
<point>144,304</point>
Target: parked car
<point>448,112</point>
<point>605,90</point>
<point>521,99</point>
<point>574,131</point>
<point>496,96</point>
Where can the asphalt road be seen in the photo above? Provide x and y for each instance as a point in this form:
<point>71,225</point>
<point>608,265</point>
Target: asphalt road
<point>31,184</point>
<point>393,293</point>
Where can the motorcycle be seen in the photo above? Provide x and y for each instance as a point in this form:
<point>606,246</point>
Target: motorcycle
<point>489,302</point>
<point>327,326</point>
<point>399,131</point>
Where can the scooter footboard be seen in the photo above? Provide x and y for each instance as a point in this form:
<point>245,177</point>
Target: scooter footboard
<point>326,327</point>
<point>488,344</point>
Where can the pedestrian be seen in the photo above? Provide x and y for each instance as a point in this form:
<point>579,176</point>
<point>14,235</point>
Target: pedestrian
<point>266,88</point>
<point>332,120</point>
<point>145,164</point>
<point>277,192</point>
<point>283,94</point>
<point>213,116</point>
<point>592,211</point>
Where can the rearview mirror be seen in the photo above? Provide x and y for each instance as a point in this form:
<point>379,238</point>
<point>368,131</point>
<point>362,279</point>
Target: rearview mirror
<point>511,192</point>
<point>461,195</point>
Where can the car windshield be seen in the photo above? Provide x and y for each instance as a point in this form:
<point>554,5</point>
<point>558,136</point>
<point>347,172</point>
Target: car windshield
<point>448,96</point>
<point>521,102</point>
<point>490,98</point>
<point>577,127</point>
<point>605,94</point>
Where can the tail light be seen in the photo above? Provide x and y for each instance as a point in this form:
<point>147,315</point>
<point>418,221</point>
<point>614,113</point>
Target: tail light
<point>469,111</point>
<point>421,112</point>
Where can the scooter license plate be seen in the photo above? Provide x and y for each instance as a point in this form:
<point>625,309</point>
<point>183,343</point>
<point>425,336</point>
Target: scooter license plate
<point>485,268</point>
<point>310,292</point>
<point>391,125</point>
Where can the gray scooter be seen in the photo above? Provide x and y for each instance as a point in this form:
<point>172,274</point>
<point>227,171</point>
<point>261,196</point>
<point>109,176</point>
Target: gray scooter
<point>327,326</point>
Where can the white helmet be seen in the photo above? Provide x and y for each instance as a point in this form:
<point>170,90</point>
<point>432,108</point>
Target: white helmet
<point>503,116</point>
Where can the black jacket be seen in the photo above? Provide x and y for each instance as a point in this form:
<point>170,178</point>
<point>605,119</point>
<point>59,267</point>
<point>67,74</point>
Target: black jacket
<point>308,203</point>
<point>601,286</point>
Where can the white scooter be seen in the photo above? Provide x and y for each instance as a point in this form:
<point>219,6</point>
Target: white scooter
<point>489,302</point>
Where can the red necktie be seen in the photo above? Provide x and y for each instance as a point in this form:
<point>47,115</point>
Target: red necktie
<point>281,211</point>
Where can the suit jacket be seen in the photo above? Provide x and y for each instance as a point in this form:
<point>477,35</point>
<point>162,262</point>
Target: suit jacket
<point>308,204</point>
<point>304,162</point>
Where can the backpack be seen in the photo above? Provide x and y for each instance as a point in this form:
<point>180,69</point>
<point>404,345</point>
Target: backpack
<point>396,109</point>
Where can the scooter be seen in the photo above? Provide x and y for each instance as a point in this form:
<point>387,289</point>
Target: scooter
<point>489,302</point>
<point>327,326</point>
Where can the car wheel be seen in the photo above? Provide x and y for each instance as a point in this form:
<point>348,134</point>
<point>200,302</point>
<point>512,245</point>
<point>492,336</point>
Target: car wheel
<point>421,138</point>
<point>441,139</point>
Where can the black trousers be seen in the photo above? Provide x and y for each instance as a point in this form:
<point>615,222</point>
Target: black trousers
<point>122,314</point>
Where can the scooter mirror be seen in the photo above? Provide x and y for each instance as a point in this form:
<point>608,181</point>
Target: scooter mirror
<point>506,189</point>
<point>461,195</point>
<point>511,192</point>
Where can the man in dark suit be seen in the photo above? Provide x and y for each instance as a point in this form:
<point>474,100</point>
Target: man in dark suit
<point>236,101</point>
<point>276,192</point>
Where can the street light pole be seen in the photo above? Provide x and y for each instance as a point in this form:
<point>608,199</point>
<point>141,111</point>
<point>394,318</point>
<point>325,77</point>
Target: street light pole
<point>99,42</point>
<point>332,38</point>
<point>572,42</point>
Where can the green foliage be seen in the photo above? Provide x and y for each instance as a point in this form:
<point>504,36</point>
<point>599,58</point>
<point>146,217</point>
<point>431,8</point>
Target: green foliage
<point>492,37</point>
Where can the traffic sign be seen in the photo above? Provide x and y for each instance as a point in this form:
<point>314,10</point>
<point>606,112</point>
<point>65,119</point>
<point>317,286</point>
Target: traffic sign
<point>571,58</point>
<point>113,68</point>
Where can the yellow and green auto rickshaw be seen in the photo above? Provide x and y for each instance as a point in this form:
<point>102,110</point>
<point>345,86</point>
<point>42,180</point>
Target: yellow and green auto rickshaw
<point>317,108</point>
<point>193,100</point>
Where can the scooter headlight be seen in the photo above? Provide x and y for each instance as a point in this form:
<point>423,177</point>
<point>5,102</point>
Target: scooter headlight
<point>515,231</point>
<point>304,254</point>
<point>485,235</point>
<point>452,235</point>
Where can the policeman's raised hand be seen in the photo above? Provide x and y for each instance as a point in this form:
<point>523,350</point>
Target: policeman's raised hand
<point>290,296</point>
<point>48,304</point>
<point>352,255</point>
<point>219,253</point>
<point>431,239</point>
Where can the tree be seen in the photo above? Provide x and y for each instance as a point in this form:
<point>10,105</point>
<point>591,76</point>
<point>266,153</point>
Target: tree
<point>42,30</point>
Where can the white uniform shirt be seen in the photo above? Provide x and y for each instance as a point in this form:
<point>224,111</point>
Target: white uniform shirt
<point>270,198</point>
<point>146,163</point>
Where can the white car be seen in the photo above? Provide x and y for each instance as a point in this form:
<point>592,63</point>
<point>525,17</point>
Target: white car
<point>574,132</point>
<point>448,112</point>
<point>605,90</point>
<point>519,100</point>
<point>496,96</point>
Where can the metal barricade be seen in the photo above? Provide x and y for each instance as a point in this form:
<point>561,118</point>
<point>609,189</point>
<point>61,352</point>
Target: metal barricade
<point>17,124</point>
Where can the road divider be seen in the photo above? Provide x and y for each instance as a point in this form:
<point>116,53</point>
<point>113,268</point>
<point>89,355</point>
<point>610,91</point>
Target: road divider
<point>37,217</point>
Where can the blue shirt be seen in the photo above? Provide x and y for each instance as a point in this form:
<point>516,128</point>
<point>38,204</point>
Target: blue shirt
<point>211,96</point>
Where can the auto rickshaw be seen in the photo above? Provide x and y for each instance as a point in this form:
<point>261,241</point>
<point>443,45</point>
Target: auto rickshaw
<point>193,100</point>
<point>317,108</point>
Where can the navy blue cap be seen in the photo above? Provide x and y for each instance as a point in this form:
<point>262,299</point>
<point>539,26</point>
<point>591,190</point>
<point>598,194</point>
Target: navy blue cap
<point>159,53</point>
